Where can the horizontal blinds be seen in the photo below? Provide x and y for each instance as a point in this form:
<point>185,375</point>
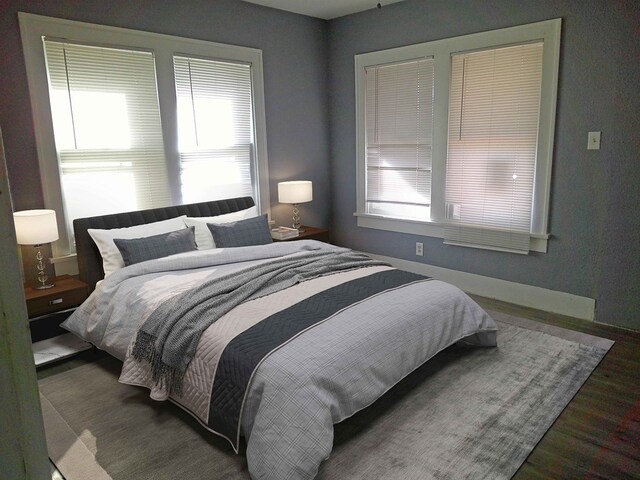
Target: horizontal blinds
<point>216,174</point>
<point>215,122</point>
<point>494,105</point>
<point>107,128</point>
<point>399,127</point>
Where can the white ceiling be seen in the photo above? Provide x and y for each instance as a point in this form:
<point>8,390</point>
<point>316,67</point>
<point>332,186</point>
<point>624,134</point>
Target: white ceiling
<point>326,9</point>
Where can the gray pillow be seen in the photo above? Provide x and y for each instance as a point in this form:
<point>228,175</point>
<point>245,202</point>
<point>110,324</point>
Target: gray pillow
<point>252,231</point>
<point>136,250</point>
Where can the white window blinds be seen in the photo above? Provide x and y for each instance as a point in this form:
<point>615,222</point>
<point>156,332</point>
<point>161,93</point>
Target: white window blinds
<point>215,128</point>
<point>494,108</point>
<point>108,135</point>
<point>399,126</point>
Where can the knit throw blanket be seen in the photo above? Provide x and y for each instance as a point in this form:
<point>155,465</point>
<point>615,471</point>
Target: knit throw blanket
<point>169,337</point>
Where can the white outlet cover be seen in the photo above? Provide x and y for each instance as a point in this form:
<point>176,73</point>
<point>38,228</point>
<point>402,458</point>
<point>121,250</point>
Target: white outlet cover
<point>593,141</point>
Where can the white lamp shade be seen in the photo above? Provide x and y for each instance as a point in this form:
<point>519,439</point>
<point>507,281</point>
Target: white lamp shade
<point>35,227</point>
<point>299,191</point>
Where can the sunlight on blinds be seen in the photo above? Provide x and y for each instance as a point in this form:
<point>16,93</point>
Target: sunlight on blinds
<point>107,129</point>
<point>494,106</point>
<point>215,128</point>
<point>399,126</point>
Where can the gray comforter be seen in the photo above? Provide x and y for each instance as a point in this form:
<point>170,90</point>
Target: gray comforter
<point>318,378</point>
<point>169,336</point>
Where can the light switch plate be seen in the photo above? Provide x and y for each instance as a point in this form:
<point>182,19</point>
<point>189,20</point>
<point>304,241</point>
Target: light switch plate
<point>593,142</point>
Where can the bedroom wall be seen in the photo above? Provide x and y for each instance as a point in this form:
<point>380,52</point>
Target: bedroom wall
<point>594,250</point>
<point>295,66</point>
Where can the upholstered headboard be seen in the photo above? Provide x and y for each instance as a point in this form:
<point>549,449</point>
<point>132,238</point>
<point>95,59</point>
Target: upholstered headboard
<point>89,259</point>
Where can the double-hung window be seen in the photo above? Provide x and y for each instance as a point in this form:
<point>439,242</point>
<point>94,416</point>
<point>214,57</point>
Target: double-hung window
<point>455,137</point>
<point>215,128</point>
<point>108,134</point>
<point>399,130</point>
<point>128,120</point>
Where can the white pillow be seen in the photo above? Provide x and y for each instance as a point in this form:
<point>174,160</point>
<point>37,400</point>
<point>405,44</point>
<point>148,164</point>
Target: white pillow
<point>204,240</point>
<point>111,257</point>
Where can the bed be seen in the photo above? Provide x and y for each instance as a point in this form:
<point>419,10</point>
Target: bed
<point>274,342</point>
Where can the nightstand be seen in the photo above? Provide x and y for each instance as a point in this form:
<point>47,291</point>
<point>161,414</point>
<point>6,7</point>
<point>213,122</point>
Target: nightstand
<point>310,233</point>
<point>47,309</point>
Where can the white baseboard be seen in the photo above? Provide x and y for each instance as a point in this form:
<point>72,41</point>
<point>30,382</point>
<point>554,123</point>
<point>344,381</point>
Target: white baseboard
<point>516,293</point>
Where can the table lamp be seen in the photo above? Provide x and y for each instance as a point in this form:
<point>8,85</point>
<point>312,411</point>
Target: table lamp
<point>295,192</point>
<point>37,227</point>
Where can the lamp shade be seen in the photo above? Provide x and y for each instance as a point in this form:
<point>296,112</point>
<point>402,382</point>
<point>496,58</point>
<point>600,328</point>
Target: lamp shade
<point>299,191</point>
<point>35,227</point>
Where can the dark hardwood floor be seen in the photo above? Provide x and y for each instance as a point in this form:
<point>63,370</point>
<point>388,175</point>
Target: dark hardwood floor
<point>597,436</point>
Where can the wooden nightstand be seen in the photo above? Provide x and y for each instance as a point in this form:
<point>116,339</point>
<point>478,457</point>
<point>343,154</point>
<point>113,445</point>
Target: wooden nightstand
<point>47,309</point>
<point>310,233</point>
<point>67,292</point>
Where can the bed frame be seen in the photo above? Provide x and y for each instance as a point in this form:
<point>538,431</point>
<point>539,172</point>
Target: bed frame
<point>89,259</point>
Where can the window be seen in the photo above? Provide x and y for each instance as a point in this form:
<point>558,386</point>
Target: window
<point>399,115</point>
<point>215,128</point>
<point>480,168</point>
<point>106,122</point>
<point>494,99</point>
<point>129,120</point>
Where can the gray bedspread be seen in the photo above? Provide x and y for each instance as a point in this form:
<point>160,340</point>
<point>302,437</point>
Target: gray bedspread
<point>318,378</point>
<point>169,336</point>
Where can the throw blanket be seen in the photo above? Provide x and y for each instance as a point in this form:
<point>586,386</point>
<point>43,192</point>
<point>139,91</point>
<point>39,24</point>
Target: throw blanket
<point>169,337</point>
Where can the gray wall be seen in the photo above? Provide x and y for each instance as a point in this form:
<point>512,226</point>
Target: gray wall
<point>295,66</point>
<point>594,220</point>
<point>595,249</point>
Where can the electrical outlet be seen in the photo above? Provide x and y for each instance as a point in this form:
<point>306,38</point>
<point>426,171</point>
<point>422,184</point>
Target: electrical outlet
<point>419,249</point>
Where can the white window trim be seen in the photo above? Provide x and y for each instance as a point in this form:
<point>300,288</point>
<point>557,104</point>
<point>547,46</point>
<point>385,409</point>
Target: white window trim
<point>34,27</point>
<point>441,51</point>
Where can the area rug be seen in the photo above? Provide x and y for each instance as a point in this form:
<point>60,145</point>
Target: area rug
<point>467,413</point>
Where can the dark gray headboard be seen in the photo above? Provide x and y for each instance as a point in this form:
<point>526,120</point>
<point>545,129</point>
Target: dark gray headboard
<point>89,259</point>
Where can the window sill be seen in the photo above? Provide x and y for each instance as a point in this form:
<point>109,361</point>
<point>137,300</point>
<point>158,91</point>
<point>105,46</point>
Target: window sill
<point>66,265</point>
<point>427,229</point>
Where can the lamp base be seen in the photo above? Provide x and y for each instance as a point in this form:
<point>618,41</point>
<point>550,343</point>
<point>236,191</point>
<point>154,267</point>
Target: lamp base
<point>42,276</point>
<point>296,219</point>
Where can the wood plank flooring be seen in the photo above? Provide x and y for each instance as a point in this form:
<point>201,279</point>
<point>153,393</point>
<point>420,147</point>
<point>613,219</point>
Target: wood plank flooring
<point>598,435</point>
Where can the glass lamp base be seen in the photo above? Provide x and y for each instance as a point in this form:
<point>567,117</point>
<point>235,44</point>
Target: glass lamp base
<point>42,275</point>
<point>296,218</point>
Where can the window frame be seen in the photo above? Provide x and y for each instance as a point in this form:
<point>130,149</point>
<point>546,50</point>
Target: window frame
<point>164,47</point>
<point>441,51</point>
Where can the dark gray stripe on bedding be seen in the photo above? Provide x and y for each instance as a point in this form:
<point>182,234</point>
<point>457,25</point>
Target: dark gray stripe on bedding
<point>169,336</point>
<point>245,352</point>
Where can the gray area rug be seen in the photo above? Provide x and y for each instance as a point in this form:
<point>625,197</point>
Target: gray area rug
<point>467,413</point>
